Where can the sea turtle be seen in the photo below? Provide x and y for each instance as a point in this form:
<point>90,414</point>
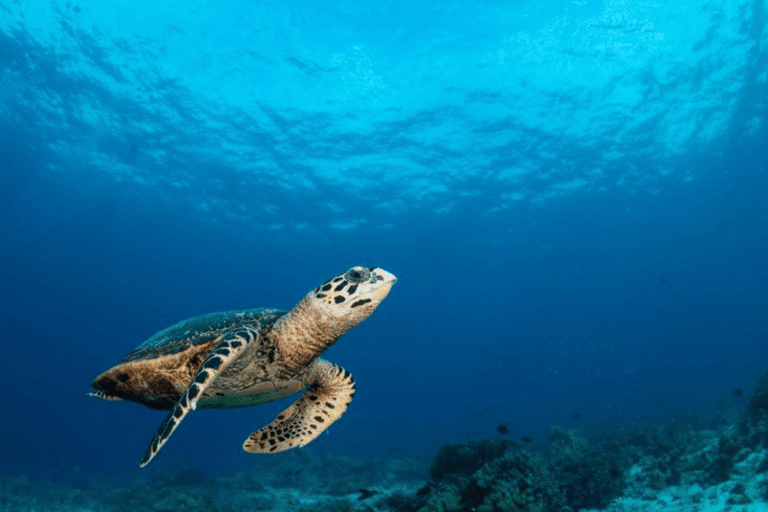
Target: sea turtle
<point>248,357</point>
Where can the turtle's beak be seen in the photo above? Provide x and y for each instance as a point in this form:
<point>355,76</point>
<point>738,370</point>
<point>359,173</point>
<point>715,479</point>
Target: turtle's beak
<point>385,285</point>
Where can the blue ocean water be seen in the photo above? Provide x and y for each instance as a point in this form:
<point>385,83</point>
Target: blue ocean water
<point>571,193</point>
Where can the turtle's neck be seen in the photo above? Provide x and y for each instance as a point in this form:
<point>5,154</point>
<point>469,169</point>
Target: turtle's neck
<point>304,333</point>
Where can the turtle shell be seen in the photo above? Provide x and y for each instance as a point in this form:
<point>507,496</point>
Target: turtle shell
<point>200,330</point>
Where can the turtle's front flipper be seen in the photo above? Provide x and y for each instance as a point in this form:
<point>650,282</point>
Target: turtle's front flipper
<point>325,400</point>
<point>227,350</point>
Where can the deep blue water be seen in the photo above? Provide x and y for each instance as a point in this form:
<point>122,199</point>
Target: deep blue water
<point>573,195</point>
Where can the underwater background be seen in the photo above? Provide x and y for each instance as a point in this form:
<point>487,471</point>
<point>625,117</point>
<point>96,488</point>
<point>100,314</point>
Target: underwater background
<point>572,194</point>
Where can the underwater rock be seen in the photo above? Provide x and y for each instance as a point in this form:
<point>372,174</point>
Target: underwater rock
<point>400,501</point>
<point>719,470</point>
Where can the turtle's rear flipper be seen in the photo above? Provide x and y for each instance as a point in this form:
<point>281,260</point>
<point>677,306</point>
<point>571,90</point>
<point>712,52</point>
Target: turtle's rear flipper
<point>227,350</point>
<point>325,400</point>
<point>104,395</point>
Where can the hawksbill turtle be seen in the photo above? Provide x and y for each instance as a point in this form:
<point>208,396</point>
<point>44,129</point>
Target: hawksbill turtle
<point>248,357</point>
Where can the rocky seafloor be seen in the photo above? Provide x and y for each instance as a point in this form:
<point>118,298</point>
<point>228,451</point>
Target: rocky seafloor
<point>718,465</point>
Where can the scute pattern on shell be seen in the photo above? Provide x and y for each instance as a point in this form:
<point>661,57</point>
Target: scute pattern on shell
<point>200,330</point>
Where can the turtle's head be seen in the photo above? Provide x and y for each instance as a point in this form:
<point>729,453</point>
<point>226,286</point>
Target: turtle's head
<point>351,297</point>
<point>328,312</point>
<point>345,301</point>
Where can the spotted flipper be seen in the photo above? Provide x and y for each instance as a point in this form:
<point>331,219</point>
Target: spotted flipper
<point>104,395</point>
<point>227,350</point>
<point>330,390</point>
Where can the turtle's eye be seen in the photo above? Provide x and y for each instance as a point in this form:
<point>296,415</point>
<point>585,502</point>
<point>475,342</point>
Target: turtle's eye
<point>357,274</point>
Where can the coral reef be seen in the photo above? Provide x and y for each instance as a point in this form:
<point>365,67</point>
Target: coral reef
<point>589,475</point>
<point>685,465</point>
<point>489,476</point>
<point>333,475</point>
<point>722,465</point>
<point>303,482</point>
